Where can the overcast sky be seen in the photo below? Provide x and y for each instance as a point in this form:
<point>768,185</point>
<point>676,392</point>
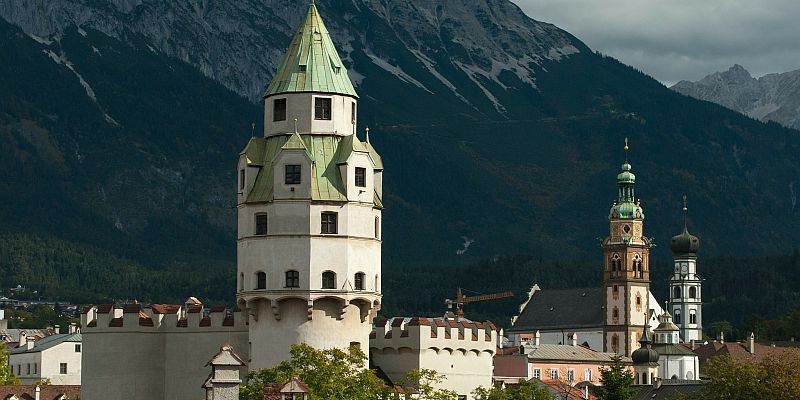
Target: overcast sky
<point>682,39</point>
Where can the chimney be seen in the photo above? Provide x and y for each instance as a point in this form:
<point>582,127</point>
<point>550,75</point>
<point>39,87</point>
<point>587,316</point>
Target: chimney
<point>73,328</point>
<point>23,339</point>
<point>29,342</point>
<point>721,337</point>
<point>536,337</point>
<point>57,329</point>
<point>692,344</point>
<point>574,339</point>
<point>38,392</point>
<point>751,343</point>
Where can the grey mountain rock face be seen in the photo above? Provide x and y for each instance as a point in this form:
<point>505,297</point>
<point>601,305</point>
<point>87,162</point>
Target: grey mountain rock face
<point>239,43</point>
<point>773,97</point>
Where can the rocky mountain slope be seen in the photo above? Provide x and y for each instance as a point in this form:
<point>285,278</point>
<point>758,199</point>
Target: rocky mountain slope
<point>121,122</point>
<point>773,97</point>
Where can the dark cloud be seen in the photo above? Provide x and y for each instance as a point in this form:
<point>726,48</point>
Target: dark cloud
<point>682,39</point>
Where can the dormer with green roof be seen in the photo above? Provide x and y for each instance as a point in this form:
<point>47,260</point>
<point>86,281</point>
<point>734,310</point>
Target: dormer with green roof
<point>309,209</point>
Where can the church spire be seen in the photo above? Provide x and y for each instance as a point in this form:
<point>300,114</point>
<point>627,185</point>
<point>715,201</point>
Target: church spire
<point>626,206</point>
<point>312,63</point>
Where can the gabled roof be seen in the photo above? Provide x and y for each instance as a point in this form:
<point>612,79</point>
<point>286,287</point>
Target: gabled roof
<point>562,309</point>
<point>567,353</point>
<point>49,342</point>
<point>226,356</point>
<point>668,390</point>
<point>48,392</point>
<point>326,152</point>
<point>311,64</point>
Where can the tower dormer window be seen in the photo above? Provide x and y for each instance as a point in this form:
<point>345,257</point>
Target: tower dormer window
<point>692,292</point>
<point>329,223</point>
<point>692,317</point>
<point>361,177</point>
<point>359,281</point>
<point>279,110</point>
<point>292,279</point>
<point>329,280</point>
<point>261,280</point>
<point>294,174</point>
<point>677,317</point>
<point>261,224</point>
<point>322,108</point>
<point>676,293</point>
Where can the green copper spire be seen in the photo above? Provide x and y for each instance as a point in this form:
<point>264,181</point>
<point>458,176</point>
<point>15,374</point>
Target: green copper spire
<point>311,64</point>
<point>626,206</point>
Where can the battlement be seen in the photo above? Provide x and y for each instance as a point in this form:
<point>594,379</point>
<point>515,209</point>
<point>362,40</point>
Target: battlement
<point>161,317</point>
<point>435,334</point>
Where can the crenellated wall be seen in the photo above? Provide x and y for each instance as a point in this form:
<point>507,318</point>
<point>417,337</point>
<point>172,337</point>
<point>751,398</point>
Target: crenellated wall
<point>156,352</point>
<point>459,348</point>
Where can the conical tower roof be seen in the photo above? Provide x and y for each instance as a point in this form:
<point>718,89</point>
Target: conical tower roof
<point>311,64</point>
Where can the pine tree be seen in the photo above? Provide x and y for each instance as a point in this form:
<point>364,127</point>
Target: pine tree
<point>617,381</point>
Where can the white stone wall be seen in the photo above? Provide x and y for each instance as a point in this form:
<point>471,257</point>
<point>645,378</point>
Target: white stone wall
<point>682,367</point>
<point>47,365</point>
<point>465,357</point>
<point>163,361</point>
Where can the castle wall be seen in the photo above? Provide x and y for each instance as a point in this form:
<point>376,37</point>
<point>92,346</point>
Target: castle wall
<point>154,353</point>
<point>462,350</point>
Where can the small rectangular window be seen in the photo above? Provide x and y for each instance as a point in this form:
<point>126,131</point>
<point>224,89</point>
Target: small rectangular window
<point>353,113</point>
<point>537,373</point>
<point>63,368</point>
<point>361,177</point>
<point>588,375</point>
<point>359,281</point>
<point>293,174</point>
<point>29,369</point>
<point>292,279</point>
<point>261,224</point>
<point>322,108</point>
<point>303,68</point>
<point>77,348</point>
<point>241,179</point>
<point>570,375</point>
<point>329,223</point>
<point>279,110</point>
<point>35,368</point>
<point>553,374</point>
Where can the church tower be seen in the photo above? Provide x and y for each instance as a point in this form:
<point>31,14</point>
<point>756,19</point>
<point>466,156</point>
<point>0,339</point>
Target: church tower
<point>685,283</point>
<point>309,209</point>
<point>626,254</point>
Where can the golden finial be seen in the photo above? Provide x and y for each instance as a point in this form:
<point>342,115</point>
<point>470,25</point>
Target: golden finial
<point>626,150</point>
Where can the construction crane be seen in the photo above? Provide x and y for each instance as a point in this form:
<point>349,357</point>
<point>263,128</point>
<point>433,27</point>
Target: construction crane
<point>461,300</point>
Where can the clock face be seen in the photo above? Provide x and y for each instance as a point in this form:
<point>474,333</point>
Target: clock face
<point>684,269</point>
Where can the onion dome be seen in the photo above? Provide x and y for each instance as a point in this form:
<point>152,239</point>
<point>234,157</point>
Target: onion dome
<point>645,354</point>
<point>685,244</point>
<point>626,206</point>
<point>626,176</point>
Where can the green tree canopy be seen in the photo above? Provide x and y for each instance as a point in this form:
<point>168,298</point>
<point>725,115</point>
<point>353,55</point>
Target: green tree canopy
<point>525,390</point>
<point>776,377</point>
<point>6,374</point>
<point>617,381</point>
<point>331,374</point>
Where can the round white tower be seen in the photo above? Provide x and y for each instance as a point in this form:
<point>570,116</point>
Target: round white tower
<point>685,285</point>
<point>309,205</point>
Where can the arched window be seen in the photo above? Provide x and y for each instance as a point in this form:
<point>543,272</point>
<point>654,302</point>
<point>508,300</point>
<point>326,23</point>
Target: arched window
<point>692,292</point>
<point>676,292</point>
<point>292,279</point>
<point>677,317</point>
<point>359,281</point>
<point>377,227</point>
<point>692,317</point>
<point>329,280</point>
<point>638,302</point>
<point>615,343</point>
<point>616,264</point>
<point>637,266</point>
<point>615,315</point>
<point>261,280</point>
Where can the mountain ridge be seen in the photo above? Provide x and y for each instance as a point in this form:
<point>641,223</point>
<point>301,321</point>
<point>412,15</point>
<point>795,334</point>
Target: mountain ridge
<point>772,97</point>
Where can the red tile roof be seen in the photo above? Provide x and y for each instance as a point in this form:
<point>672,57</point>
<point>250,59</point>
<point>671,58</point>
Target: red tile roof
<point>48,392</point>
<point>165,308</point>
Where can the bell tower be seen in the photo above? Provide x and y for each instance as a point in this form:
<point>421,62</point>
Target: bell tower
<point>626,277</point>
<point>685,283</point>
<point>309,209</point>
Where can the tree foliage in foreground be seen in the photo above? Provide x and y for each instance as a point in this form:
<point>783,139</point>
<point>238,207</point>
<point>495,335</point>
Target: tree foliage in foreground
<point>6,374</point>
<point>335,374</point>
<point>331,374</point>
<point>525,390</point>
<point>775,377</point>
<point>617,381</point>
